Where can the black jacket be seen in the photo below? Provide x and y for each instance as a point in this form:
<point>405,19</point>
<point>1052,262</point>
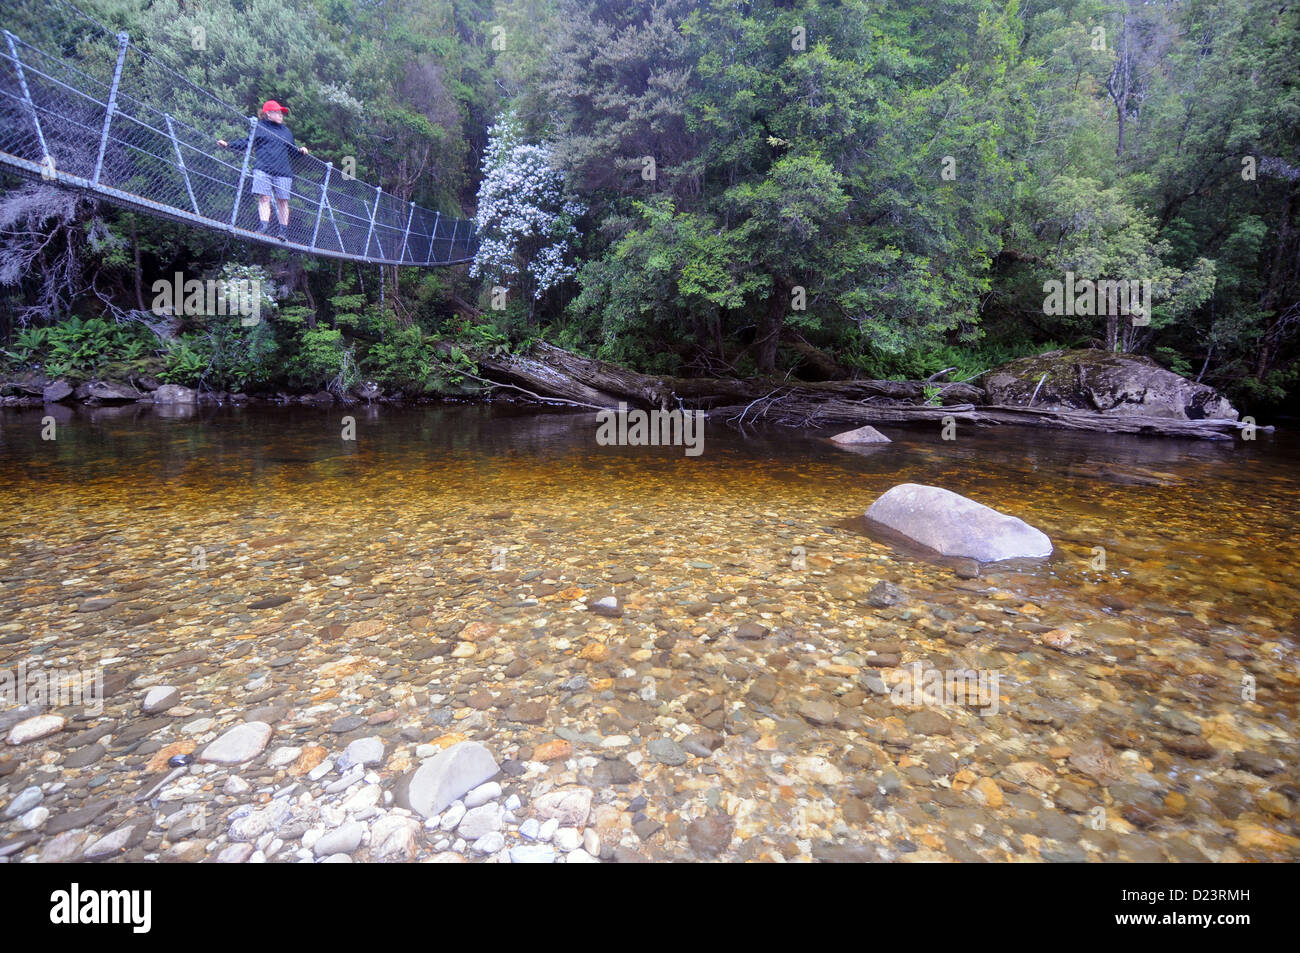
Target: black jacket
<point>271,145</point>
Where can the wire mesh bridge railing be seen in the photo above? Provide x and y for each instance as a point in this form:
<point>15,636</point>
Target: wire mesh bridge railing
<point>87,118</point>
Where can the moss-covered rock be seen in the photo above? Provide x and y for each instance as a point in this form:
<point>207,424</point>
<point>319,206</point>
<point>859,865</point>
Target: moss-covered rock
<point>1105,382</point>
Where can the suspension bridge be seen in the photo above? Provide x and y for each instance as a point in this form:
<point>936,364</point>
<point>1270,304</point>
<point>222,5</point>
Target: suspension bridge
<point>103,116</point>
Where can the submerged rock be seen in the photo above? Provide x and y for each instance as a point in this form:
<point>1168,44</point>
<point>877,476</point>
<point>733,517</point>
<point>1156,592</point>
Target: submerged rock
<point>953,525</point>
<point>241,743</point>
<point>448,776</point>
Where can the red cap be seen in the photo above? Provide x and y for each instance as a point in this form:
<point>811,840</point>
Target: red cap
<point>272,106</point>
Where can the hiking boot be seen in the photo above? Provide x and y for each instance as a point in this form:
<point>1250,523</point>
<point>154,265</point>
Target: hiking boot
<point>284,233</point>
<point>264,227</point>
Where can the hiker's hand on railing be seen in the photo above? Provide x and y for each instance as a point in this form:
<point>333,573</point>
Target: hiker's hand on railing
<point>303,150</point>
<point>222,143</point>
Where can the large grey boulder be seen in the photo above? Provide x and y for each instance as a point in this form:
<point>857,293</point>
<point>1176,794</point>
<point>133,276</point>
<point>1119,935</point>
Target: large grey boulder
<point>56,391</point>
<point>1105,382</point>
<point>106,390</point>
<point>953,525</point>
<point>448,776</point>
<point>174,394</point>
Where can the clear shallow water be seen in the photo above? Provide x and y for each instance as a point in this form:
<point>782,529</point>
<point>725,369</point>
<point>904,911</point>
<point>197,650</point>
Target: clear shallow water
<point>451,514</point>
<point>1218,539</point>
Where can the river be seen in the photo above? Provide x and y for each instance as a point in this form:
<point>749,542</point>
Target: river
<point>431,581</point>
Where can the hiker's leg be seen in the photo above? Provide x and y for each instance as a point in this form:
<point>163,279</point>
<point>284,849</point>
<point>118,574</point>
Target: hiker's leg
<point>264,208</point>
<point>282,208</point>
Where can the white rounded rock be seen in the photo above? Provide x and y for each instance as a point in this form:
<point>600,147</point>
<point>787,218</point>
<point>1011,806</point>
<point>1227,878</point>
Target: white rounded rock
<point>241,743</point>
<point>160,698</point>
<point>34,729</point>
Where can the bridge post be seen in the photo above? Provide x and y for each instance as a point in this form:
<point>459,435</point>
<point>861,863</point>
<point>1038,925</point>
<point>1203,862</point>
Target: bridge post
<point>406,237</point>
<point>370,231</point>
<point>243,172</point>
<point>180,161</point>
<point>123,41</point>
<point>47,159</point>
<point>324,187</point>
<point>451,245</point>
<point>433,236</point>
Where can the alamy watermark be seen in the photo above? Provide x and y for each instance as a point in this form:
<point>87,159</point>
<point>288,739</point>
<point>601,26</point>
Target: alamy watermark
<point>230,296</point>
<point>1083,296</point>
<point>42,686</point>
<point>651,428</point>
<point>948,688</point>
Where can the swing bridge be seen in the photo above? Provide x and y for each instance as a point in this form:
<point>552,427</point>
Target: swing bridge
<point>92,117</point>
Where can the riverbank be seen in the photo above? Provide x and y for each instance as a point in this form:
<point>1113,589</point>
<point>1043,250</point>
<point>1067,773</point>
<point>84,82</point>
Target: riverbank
<point>1086,390</point>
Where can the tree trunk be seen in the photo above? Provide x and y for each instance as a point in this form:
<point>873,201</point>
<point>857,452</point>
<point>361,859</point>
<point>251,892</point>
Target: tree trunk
<point>139,275</point>
<point>769,329</point>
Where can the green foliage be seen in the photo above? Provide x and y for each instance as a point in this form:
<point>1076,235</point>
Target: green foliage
<point>911,175</point>
<point>186,358</point>
<point>79,348</point>
<point>408,360</point>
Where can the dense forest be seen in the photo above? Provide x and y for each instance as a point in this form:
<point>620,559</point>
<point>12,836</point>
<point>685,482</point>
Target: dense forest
<point>811,188</point>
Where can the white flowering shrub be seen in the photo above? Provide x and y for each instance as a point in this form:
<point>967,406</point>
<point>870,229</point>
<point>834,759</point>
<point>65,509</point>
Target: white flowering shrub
<point>525,215</point>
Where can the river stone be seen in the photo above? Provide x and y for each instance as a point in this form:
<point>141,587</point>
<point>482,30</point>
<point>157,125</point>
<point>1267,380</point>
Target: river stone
<point>568,807</point>
<point>448,776</point>
<point>160,698</point>
<point>64,847</point>
<point>118,841</point>
<point>482,794</point>
<point>27,799</point>
<point>343,840</point>
<point>14,715</point>
<point>241,743</point>
<point>861,435</point>
<point>1256,762</point>
<point>34,729</point>
<point>478,821</point>
<point>817,712</point>
<point>106,390</point>
<point>532,854</point>
<point>666,751</point>
<point>84,757</point>
<point>363,751</point>
<point>394,839</point>
<point>928,722</point>
<point>174,394</point>
<point>56,391</point>
<point>953,525</point>
<point>711,834</point>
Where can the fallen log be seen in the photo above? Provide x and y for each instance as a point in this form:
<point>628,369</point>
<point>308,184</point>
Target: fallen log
<point>555,372</point>
<point>831,413</point>
<point>549,373</point>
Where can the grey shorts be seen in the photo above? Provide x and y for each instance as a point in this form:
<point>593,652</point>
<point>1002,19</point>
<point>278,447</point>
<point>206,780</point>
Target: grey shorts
<point>264,184</point>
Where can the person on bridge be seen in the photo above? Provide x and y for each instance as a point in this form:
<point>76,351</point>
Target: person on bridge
<point>272,176</point>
